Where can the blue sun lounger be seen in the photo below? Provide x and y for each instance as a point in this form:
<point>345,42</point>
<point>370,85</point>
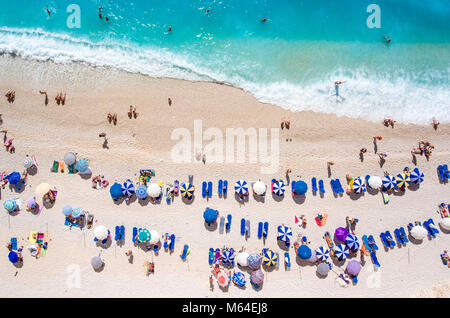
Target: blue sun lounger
<point>172,242</point>
<point>333,186</point>
<point>403,235</point>
<point>185,250</point>
<point>221,224</point>
<point>390,239</point>
<point>247,228</point>
<point>225,186</point>
<point>314,184</point>
<point>211,256</point>
<point>242,226</point>
<point>354,279</point>
<point>220,187</point>
<point>260,229</point>
<point>204,189</point>
<point>117,233</point>
<point>339,185</point>
<point>135,232</point>
<point>321,186</point>
<point>373,255</point>
<point>287,260</point>
<point>384,240</point>
<point>122,233</point>
<point>228,225</point>
<point>443,172</point>
<point>372,243</point>
<point>266,229</point>
<point>398,236</point>
<point>366,243</point>
<point>210,185</point>
<point>14,243</point>
<point>434,229</point>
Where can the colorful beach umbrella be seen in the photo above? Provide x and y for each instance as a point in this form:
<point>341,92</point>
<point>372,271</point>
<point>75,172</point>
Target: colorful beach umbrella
<point>254,261</point>
<point>13,257</point>
<point>403,180</point>
<point>96,262</point>
<point>239,279</point>
<point>128,188</point>
<point>82,165</point>
<point>210,215</point>
<point>353,267</point>
<point>14,178</point>
<point>242,258</point>
<point>42,189</point>
<point>389,182</point>
<point>322,253</point>
<point>223,279</point>
<point>228,256</point>
<point>358,185</point>
<point>284,233</point>
<point>67,210</point>
<point>27,162</point>
<point>70,158</point>
<point>31,203</point>
<point>352,242</point>
<point>101,232</point>
<point>143,236</point>
<point>259,188</point>
<point>341,233</point>
<point>323,269</point>
<point>300,187</point>
<point>76,212</point>
<point>187,190</point>
<point>304,252</point>
<point>257,277</point>
<point>269,258</point>
<point>10,205</point>
<point>279,188</point>
<point>241,187</point>
<point>141,192</point>
<point>341,251</point>
<point>416,176</point>
<point>154,190</point>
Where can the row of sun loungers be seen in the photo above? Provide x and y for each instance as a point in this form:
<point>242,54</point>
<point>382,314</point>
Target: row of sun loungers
<point>443,173</point>
<point>222,188</point>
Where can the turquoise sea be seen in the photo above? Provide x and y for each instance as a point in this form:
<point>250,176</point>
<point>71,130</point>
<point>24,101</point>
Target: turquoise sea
<point>291,60</point>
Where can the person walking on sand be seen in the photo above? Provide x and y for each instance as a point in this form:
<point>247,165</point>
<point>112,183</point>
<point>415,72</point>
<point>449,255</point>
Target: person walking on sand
<point>169,100</point>
<point>435,124</point>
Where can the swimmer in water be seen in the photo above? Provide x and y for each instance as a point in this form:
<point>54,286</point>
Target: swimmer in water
<point>264,20</point>
<point>169,29</point>
<point>207,11</point>
<point>100,12</point>
<point>336,87</point>
<point>48,11</point>
<point>387,39</point>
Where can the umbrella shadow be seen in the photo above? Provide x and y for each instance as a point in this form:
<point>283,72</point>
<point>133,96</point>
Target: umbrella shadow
<point>86,176</point>
<point>337,262</point>
<point>372,191</point>
<point>238,198</point>
<point>282,245</point>
<point>106,245</point>
<point>211,227</point>
<point>118,201</point>
<point>32,170</point>
<point>188,201</point>
<point>277,198</point>
<point>100,269</point>
<point>259,198</point>
<point>18,264</point>
<point>303,262</point>
<point>355,196</point>
<point>399,193</point>
<point>414,186</point>
<point>299,199</point>
<point>144,202</point>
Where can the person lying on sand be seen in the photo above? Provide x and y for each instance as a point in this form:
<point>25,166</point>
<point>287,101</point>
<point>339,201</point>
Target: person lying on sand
<point>383,155</point>
<point>389,122</point>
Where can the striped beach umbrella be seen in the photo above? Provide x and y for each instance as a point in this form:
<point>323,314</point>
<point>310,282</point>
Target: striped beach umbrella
<point>27,162</point>
<point>284,233</point>
<point>239,279</point>
<point>241,187</point>
<point>257,277</point>
<point>76,212</point>
<point>143,236</point>
<point>141,192</point>
<point>269,258</point>
<point>322,253</point>
<point>82,165</point>
<point>358,185</point>
<point>341,251</point>
<point>223,279</point>
<point>10,205</point>
<point>279,188</point>
<point>389,182</point>
<point>352,242</point>
<point>228,256</point>
<point>416,176</point>
<point>254,261</point>
<point>403,180</point>
<point>128,188</point>
<point>187,190</point>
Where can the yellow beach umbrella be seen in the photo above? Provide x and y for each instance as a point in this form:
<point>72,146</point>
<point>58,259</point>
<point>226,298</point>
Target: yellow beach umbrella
<point>269,258</point>
<point>403,180</point>
<point>42,189</point>
<point>187,190</point>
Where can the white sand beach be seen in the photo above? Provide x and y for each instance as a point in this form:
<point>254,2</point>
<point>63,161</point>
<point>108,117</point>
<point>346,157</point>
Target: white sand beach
<point>50,131</point>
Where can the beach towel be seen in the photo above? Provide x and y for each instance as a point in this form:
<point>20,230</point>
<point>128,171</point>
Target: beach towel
<point>55,166</point>
<point>14,243</point>
<point>33,236</point>
<point>72,169</point>
<point>61,164</point>
<point>323,221</point>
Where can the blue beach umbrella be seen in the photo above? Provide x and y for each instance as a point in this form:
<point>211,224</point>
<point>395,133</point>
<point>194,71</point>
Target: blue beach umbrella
<point>300,187</point>
<point>228,257</point>
<point>128,188</point>
<point>341,251</point>
<point>254,261</point>
<point>210,215</point>
<point>141,192</point>
<point>76,212</point>
<point>352,242</point>
<point>389,182</point>
<point>13,257</point>
<point>10,205</point>
<point>116,190</point>
<point>279,187</point>
<point>239,279</point>
<point>67,210</point>
<point>322,253</point>
<point>358,185</point>
<point>14,178</point>
<point>82,165</point>
<point>284,233</point>
<point>416,176</point>
<point>304,252</point>
<point>241,187</point>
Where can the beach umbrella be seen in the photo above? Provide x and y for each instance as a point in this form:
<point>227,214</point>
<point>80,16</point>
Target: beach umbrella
<point>304,252</point>
<point>228,256</point>
<point>154,237</point>
<point>416,176</point>
<point>353,267</point>
<point>300,187</point>
<point>445,223</point>
<point>241,258</point>
<point>259,188</point>
<point>352,242</point>
<point>241,187</point>
<point>284,233</point>
<point>418,232</point>
<point>141,192</point>
<point>82,165</point>
<point>27,162</point>
<point>223,279</point>
<point>341,233</point>
<point>143,236</point>
<point>322,253</point>
<point>279,187</point>
<point>389,182</point>
<point>13,257</point>
<point>67,210</point>
<point>187,190</point>
<point>403,180</point>
<point>116,190</point>
<point>128,188</point>
<point>42,189</point>
<point>101,232</point>
<point>313,258</point>
<point>341,251</point>
<point>10,205</point>
<point>154,190</point>
<point>31,203</point>
<point>323,269</point>
<point>76,212</point>
<point>239,279</point>
<point>14,178</point>
<point>97,262</point>
<point>70,158</point>
<point>375,182</point>
<point>254,261</point>
<point>210,215</point>
<point>269,258</point>
<point>257,277</point>
<point>358,185</point>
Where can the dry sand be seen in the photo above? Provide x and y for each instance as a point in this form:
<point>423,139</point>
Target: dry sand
<point>50,131</point>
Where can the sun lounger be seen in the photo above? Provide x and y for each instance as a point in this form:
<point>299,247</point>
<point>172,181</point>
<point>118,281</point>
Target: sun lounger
<point>384,240</point>
<point>228,225</point>
<point>210,185</point>
<point>117,233</point>
<point>287,260</point>
<point>14,243</point>
<point>220,187</point>
<point>398,236</point>
<point>403,235</point>
<point>329,240</point>
<point>247,228</point>
<point>222,224</point>
<point>211,256</point>
<point>122,233</point>
<point>333,186</point>
<point>430,232</point>
<point>217,254</point>
<point>373,255</point>
<point>432,226</point>
<point>366,243</point>
<point>172,242</point>
<point>242,226</point>
<point>225,186</point>
<point>367,181</point>
<point>354,279</point>
<point>321,187</point>
<point>372,243</point>
<point>55,166</point>
<point>390,239</point>
<point>135,233</point>
<point>266,229</point>
<point>338,184</point>
<point>314,184</point>
<point>260,229</point>
<point>185,252</point>
<point>204,186</point>
<point>442,173</point>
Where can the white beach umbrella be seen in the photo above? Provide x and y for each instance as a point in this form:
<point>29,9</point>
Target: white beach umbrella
<point>445,224</point>
<point>96,262</point>
<point>419,232</point>
<point>154,237</point>
<point>101,232</point>
<point>42,189</point>
<point>241,258</point>
<point>259,188</point>
<point>323,269</point>
<point>375,182</point>
<point>70,158</point>
<point>154,190</point>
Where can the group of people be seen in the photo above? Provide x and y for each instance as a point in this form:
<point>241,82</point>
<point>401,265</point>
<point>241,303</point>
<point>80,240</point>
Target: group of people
<point>389,122</point>
<point>50,196</point>
<point>112,118</point>
<point>425,148</point>
<point>10,95</point>
<point>60,98</point>
<point>8,142</point>
<point>132,112</point>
